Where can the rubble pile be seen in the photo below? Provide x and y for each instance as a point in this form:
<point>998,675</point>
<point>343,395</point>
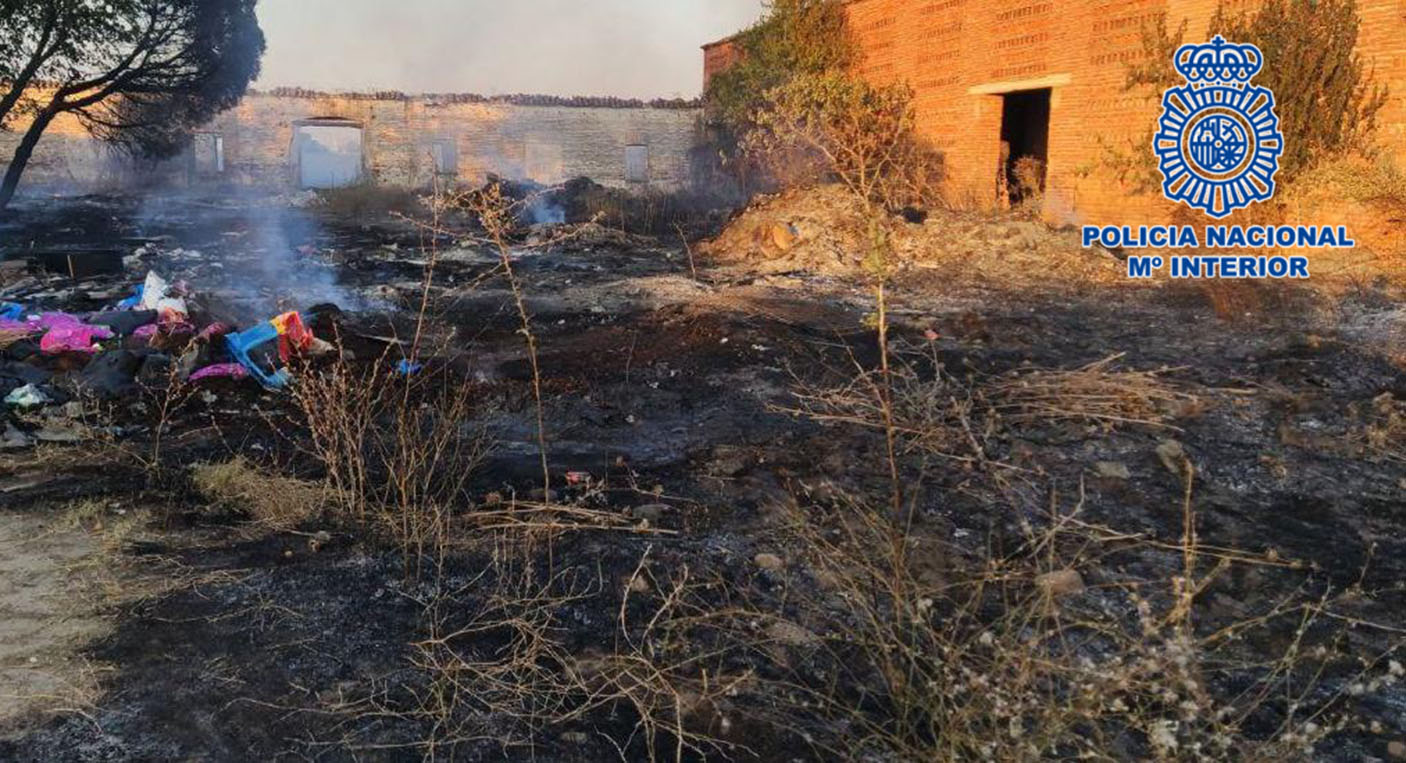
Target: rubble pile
<point>822,230</point>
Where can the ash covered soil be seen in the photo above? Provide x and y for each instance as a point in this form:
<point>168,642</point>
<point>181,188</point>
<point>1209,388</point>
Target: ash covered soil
<point>671,382</point>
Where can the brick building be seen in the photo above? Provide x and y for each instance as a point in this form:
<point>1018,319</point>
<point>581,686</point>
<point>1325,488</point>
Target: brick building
<point>1047,76</point>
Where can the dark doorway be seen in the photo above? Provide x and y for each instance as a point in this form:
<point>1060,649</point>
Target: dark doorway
<point>1025,145</point>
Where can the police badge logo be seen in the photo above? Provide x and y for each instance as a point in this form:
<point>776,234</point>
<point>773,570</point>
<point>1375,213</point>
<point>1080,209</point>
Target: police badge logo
<point>1218,140</point>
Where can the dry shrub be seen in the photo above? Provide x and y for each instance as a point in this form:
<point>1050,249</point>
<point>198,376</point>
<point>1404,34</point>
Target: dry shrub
<point>1095,394</point>
<point>933,412</point>
<point>282,503</point>
<point>500,664</point>
<point>831,126</point>
<point>1008,656</point>
<point>398,451</point>
<point>1042,646</point>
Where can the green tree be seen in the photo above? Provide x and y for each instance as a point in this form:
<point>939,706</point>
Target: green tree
<point>794,38</point>
<point>138,74</point>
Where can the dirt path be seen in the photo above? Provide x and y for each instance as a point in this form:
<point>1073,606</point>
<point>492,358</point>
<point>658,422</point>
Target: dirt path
<point>43,620</point>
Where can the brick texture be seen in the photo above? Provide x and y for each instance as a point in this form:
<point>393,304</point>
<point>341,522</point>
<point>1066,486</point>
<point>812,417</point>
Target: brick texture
<point>959,55</point>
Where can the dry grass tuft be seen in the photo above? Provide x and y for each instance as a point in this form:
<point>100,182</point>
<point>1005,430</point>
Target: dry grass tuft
<point>279,502</point>
<point>1384,431</point>
<point>1096,394</point>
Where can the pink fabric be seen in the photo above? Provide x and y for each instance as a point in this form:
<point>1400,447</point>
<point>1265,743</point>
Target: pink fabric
<point>145,332</point>
<point>230,370</point>
<point>77,337</point>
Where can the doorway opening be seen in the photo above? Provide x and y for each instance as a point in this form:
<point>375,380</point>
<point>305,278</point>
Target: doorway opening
<point>1025,146</point>
<point>327,152</point>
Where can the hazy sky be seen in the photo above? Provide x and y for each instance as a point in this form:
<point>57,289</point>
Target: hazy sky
<point>632,48</point>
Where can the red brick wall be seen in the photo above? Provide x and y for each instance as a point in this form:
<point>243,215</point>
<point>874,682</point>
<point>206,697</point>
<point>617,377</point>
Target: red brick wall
<point>959,55</point>
<point>718,56</point>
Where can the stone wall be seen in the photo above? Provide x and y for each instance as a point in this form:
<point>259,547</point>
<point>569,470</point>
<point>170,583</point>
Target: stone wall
<point>554,142</point>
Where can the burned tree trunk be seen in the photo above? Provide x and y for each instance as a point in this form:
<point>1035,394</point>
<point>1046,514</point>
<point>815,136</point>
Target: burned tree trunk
<point>23,152</point>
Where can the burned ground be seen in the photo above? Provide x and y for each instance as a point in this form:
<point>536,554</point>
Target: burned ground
<point>677,394</point>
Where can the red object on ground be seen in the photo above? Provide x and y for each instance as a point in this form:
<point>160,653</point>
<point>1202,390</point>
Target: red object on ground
<point>293,335</point>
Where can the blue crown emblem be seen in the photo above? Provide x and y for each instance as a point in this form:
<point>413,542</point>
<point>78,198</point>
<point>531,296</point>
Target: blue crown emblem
<point>1218,61</point>
<point>1218,140</point>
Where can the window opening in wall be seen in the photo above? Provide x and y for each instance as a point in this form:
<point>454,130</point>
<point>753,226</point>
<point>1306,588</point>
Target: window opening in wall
<point>637,163</point>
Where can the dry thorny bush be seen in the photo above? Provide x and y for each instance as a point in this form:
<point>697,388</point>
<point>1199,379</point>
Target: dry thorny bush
<point>937,652</point>
<point>399,448</point>
<point>930,656</point>
<point>498,665</point>
<point>398,451</point>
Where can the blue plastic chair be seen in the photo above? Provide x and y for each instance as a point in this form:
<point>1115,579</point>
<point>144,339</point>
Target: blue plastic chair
<point>242,343</point>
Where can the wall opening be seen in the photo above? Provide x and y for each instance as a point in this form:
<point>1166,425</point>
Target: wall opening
<point>445,155</point>
<point>1025,145</point>
<point>207,154</point>
<point>637,163</point>
<point>327,152</point>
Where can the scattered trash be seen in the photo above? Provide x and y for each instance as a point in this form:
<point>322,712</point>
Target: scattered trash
<point>18,328</point>
<point>27,397</point>
<point>406,368</point>
<point>11,311</point>
<point>132,301</point>
<point>156,296</point>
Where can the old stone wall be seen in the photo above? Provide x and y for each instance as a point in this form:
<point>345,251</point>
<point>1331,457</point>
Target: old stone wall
<point>546,143</point>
